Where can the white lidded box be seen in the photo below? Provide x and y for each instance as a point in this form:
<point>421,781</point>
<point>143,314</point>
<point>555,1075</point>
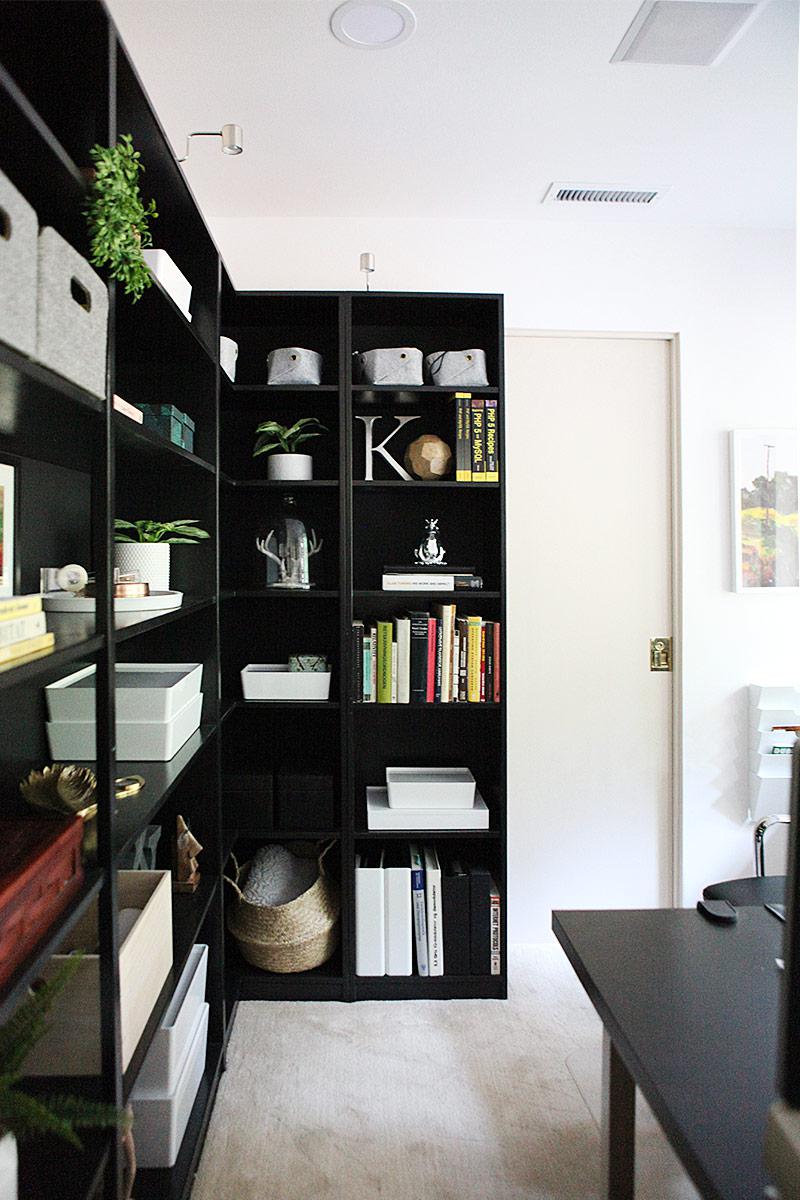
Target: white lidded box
<point>172,280</point>
<point>274,681</point>
<point>147,741</point>
<point>161,1068</point>
<point>160,1118</point>
<point>71,1045</point>
<point>144,692</point>
<point>430,787</point>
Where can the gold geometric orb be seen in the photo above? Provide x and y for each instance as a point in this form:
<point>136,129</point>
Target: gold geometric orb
<point>428,457</point>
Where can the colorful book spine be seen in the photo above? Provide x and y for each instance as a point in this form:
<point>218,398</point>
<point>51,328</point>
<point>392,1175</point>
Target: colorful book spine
<point>497,662</point>
<point>419,657</point>
<point>494,929</point>
<point>12,607</point>
<point>463,658</point>
<point>456,657</point>
<point>384,666</point>
<point>492,445</point>
<point>357,661</point>
<point>33,645</point>
<point>430,675</point>
<point>483,662</point>
<point>478,440</point>
<point>463,437</point>
<point>367,668</point>
<point>474,660</point>
<point>438,684</point>
<point>433,911</point>
<point>22,628</point>
<point>373,663</point>
<point>418,905</point>
<point>489,651</point>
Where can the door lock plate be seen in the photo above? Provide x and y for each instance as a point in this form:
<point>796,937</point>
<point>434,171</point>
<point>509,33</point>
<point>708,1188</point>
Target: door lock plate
<point>661,654</point>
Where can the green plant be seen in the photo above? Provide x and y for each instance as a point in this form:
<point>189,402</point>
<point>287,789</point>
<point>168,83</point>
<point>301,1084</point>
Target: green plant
<point>26,1116</point>
<point>286,438</point>
<point>118,217</point>
<point>170,532</point>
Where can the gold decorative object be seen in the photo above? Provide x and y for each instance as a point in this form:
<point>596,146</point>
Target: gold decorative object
<point>428,457</point>
<point>187,847</point>
<point>66,790</point>
<point>128,785</point>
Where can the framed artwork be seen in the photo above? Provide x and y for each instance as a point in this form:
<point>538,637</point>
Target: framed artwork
<point>764,470</point>
<point>7,519</point>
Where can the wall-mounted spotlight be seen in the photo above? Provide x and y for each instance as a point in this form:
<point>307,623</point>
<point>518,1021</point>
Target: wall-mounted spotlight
<point>231,139</point>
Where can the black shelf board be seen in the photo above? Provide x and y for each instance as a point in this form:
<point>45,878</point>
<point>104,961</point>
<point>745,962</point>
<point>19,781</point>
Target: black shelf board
<point>279,387</point>
<point>231,836</point>
<point>432,389</point>
<point>465,594</point>
<point>279,593</point>
<point>162,303</point>
<point>153,445</point>
<point>415,484</point>
<point>16,989</point>
<point>453,706</point>
<point>17,97</point>
<point>287,704</point>
<point>188,913</point>
<point>175,1183</point>
<point>48,1166</point>
<point>40,383</point>
<point>438,987</point>
<point>147,623</point>
<point>69,647</point>
<point>431,835</point>
<point>280,485</point>
<point>161,779</point>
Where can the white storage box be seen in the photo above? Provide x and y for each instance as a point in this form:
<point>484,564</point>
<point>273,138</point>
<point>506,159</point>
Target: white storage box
<point>144,692</point>
<point>173,281</point>
<point>161,1068</point>
<point>430,787</point>
<point>160,1119</point>
<point>71,1045</point>
<point>274,681</point>
<point>148,741</point>
<point>19,230</point>
<point>72,314</point>
<point>380,816</point>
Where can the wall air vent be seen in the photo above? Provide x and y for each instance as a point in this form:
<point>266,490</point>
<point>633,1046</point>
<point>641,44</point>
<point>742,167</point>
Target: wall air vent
<point>587,193</point>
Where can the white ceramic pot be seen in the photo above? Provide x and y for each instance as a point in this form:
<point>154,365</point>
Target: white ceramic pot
<point>150,559</point>
<point>290,466</point>
<point>8,1167</point>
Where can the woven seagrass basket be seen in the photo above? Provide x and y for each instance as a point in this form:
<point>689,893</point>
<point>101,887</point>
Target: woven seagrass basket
<point>286,938</point>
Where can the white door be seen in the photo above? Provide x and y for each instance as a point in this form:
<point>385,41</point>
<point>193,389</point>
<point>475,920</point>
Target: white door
<point>588,435</point>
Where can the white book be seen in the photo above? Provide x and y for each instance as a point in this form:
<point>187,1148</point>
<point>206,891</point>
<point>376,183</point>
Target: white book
<point>380,816</point>
<point>402,639</point>
<point>456,660</point>
<point>433,911</point>
<point>418,905</point>
<point>398,918</point>
<point>418,583</point>
<point>373,664</point>
<point>394,672</point>
<point>370,915</point>
<point>447,612</point>
<point>19,629</point>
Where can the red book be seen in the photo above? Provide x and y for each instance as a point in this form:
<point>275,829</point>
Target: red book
<point>497,662</point>
<point>431,686</point>
<point>483,663</point>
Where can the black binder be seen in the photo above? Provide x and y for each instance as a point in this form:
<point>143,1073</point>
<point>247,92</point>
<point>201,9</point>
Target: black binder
<point>480,941</point>
<point>455,918</point>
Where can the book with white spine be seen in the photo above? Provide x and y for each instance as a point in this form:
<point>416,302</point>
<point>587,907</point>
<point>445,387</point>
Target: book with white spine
<point>402,634</point>
<point>370,914</point>
<point>18,629</point>
<point>398,918</point>
<point>418,906</point>
<point>433,911</point>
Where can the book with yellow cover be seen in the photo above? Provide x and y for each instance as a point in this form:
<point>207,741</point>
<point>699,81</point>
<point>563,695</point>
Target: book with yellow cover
<point>45,641</point>
<point>474,625</point>
<point>12,607</point>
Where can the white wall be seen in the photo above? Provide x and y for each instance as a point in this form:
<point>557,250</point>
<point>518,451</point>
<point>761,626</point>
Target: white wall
<point>730,295</point>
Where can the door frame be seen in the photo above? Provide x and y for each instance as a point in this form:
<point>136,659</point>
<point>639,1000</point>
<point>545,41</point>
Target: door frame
<point>675,871</point>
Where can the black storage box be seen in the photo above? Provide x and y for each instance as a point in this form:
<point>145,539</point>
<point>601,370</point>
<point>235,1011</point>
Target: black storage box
<point>304,802</point>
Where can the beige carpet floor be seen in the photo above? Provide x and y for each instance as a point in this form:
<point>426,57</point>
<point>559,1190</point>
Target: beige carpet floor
<point>423,1100</point>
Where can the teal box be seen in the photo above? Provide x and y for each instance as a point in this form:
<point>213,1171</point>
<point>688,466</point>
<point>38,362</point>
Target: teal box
<point>170,422</point>
<point>188,433</point>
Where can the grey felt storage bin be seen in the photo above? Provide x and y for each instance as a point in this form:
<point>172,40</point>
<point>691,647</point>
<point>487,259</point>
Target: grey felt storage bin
<point>293,364</point>
<point>457,368</point>
<point>72,317</point>
<point>391,365</point>
<point>18,253</point>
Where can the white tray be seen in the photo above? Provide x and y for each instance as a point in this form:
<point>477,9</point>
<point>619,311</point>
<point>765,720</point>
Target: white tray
<point>153,692</point>
<point>161,1068</point>
<point>160,1120</point>
<point>380,816</point>
<point>145,741</point>
<point>66,602</point>
<point>430,787</point>
<point>171,278</point>
<point>274,681</point>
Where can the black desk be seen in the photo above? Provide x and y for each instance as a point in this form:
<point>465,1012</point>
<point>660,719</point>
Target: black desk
<point>690,1016</point>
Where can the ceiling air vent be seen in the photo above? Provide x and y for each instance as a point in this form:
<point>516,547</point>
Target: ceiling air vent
<point>587,193</point>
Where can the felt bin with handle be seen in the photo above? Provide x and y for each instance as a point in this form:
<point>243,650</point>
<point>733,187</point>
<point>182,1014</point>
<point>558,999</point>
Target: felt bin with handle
<point>19,230</point>
<point>72,314</point>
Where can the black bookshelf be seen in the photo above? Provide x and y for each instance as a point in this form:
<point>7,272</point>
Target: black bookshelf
<point>81,463</point>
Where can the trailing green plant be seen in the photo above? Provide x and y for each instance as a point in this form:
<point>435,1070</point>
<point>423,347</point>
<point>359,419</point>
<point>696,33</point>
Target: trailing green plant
<point>118,217</point>
<point>286,438</point>
<point>170,532</point>
<point>27,1116</point>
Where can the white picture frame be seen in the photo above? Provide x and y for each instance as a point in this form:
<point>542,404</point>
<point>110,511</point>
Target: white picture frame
<point>7,528</point>
<point>764,507</point>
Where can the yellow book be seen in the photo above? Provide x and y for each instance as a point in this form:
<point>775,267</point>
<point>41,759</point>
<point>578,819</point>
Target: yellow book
<point>12,607</point>
<point>45,641</point>
<point>474,660</point>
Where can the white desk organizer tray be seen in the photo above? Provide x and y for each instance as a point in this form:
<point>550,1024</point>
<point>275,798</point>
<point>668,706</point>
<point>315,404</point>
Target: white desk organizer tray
<point>172,280</point>
<point>161,1068</point>
<point>380,816</point>
<point>430,787</point>
<point>145,741</point>
<point>19,230</point>
<point>274,681</point>
<point>160,1118</point>
<point>144,692</point>
<point>72,314</point>
<point>71,1045</point>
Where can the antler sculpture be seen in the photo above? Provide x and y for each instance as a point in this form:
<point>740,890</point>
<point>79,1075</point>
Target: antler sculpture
<point>291,566</point>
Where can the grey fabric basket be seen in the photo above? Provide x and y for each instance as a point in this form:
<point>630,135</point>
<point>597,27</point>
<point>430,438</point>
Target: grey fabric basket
<point>72,314</point>
<point>394,364</point>
<point>293,364</point>
<point>18,253</point>
<point>457,368</point>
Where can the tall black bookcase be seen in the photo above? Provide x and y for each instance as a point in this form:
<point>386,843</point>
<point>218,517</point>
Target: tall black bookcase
<point>79,464</point>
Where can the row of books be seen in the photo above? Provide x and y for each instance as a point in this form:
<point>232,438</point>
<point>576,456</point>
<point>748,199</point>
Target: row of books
<point>427,657</point>
<point>418,915</point>
<point>23,628</point>
<point>477,443</point>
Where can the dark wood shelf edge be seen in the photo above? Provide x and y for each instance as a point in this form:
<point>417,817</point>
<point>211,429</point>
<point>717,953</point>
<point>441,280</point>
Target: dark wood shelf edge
<point>278,387</point>
<point>279,485</point>
<point>430,389</point>
<point>187,609</point>
<point>24,670</point>
<point>31,114</point>
<point>49,379</point>
<point>132,433</point>
<point>430,835</point>
<point>417,484</point>
<point>442,987</point>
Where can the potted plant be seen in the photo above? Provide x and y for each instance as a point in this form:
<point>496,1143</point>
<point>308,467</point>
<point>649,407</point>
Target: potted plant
<point>143,546</point>
<point>118,217</point>
<point>287,463</point>
<point>22,1115</point>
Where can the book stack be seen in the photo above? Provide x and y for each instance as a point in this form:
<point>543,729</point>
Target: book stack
<point>427,657</point>
<point>430,579</point>
<point>421,913</point>
<point>477,441</point>
<point>23,628</point>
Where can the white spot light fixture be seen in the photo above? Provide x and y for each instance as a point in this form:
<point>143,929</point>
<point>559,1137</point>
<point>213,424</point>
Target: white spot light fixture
<point>373,24</point>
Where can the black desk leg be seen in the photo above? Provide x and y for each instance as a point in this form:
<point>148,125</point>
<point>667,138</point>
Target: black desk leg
<point>619,1125</point>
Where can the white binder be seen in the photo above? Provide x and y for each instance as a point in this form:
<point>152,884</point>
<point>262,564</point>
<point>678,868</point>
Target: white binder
<point>370,915</point>
<point>397,898</point>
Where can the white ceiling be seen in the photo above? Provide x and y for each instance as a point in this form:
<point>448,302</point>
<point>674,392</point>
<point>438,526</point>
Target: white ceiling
<point>473,117</point>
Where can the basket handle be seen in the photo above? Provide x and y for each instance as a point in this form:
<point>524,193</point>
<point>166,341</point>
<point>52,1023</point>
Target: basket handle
<point>322,854</point>
<point>235,882</point>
